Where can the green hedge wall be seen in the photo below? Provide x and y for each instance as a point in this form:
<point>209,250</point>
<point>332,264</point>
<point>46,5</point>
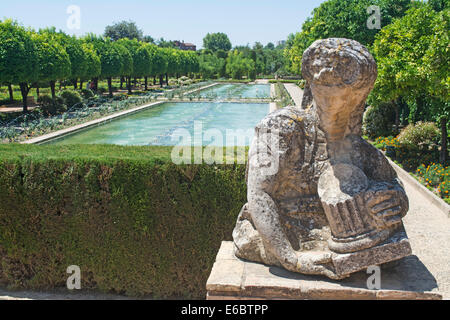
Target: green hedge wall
<point>135,223</point>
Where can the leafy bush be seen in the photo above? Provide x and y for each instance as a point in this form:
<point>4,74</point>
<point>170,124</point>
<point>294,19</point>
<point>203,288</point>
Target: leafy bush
<point>87,93</point>
<point>51,107</point>
<point>101,90</point>
<point>378,120</point>
<point>184,81</point>
<point>135,223</point>
<point>71,97</point>
<point>410,156</point>
<point>421,134</point>
<point>120,97</point>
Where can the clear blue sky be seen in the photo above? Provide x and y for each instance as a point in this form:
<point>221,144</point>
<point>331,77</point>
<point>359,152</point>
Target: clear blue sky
<point>245,21</point>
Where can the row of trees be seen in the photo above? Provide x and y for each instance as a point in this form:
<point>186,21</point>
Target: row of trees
<point>37,59</point>
<point>411,50</point>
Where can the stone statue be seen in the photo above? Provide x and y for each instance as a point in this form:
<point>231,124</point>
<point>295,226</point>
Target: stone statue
<point>334,204</point>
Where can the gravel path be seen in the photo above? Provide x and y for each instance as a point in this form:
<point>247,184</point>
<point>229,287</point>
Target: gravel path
<point>295,92</point>
<point>428,229</point>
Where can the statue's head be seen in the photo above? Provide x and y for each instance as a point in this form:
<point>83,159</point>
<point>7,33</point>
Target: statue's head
<point>341,74</point>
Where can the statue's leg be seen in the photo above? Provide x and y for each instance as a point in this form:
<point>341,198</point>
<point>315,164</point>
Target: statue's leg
<point>248,244</point>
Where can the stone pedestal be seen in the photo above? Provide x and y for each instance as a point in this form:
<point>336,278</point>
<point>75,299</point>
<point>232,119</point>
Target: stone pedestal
<point>235,279</point>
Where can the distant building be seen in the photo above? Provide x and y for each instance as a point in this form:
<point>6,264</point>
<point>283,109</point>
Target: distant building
<point>185,45</point>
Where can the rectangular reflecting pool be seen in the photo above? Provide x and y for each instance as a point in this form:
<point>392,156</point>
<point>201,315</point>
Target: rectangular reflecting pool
<point>165,124</point>
<point>229,91</point>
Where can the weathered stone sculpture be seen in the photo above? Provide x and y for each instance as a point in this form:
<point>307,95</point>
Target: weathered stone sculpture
<point>334,205</point>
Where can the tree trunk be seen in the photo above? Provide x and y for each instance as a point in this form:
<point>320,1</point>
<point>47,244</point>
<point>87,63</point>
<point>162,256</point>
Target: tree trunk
<point>444,151</point>
<point>24,90</point>
<point>110,87</point>
<point>81,84</point>
<point>52,87</point>
<point>161,80</point>
<point>75,83</point>
<point>11,93</point>
<point>37,91</point>
<point>397,117</point>
<point>154,80</point>
<point>129,86</point>
<point>167,79</point>
<point>96,84</point>
<point>121,82</point>
<point>146,83</point>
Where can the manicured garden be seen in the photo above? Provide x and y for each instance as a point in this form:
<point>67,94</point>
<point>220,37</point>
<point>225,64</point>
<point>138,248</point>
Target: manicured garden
<point>136,223</point>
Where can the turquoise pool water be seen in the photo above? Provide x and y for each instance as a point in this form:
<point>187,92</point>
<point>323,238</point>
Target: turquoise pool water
<point>159,125</point>
<point>228,91</point>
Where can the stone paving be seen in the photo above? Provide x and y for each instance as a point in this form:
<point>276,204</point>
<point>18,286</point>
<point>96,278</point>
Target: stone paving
<point>295,92</point>
<point>428,229</point>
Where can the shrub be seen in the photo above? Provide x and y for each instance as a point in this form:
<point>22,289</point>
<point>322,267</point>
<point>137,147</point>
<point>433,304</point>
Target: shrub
<point>102,90</point>
<point>421,134</point>
<point>378,120</point>
<point>120,97</point>
<point>410,156</point>
<point>51,107</point>
<point>135,223</point>
<point>71,98</point>
<point>87,93</point>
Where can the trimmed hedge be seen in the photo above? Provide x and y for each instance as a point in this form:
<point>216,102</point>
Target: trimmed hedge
<point>135,223</point>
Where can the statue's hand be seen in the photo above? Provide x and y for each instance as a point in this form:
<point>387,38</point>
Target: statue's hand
<point>319,263</point>
<point>387,203</point>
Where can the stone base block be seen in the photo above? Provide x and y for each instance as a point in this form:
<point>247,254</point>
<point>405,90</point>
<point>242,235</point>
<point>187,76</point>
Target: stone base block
<point>235,279</point>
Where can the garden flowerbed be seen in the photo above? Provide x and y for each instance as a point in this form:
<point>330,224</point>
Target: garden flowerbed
<point>421,163</point>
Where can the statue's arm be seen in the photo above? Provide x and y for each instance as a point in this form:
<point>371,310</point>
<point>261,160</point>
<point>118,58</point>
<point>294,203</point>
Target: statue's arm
<point>262,176</point>
<point>265,216</point>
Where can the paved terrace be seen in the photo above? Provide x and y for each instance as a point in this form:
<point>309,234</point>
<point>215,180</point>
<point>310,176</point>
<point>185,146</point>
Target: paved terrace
<point>295,92</point>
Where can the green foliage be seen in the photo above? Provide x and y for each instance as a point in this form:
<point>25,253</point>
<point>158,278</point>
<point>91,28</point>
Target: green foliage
<point>50,106</point>
<point>437,177</point>
<point>399,49</point>
<point>342,19</point>
<point>217,41</point>
<point>158,60</point>
<point>283,96</point>
<point>18,56</point>
<point>413,64</point>
<point>211,66</point>
<point>123,29</point>
<point>126,59</point>
<point>94,65</point>
<point>140,58</point>
<point>439,5</point>
<point>421,134</point>
<point>408,155</point>
<point>71,98</point>
<point>87,93</point>
<point>54,62</point>
<point>379,120</point>
<point>135,223</point>
<point>78,57</point>
<point>239,66</point>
